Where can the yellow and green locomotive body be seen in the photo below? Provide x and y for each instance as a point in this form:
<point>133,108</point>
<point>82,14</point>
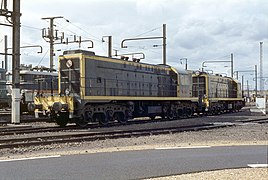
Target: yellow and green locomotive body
<point>101,89</point>
<point>219,93</point>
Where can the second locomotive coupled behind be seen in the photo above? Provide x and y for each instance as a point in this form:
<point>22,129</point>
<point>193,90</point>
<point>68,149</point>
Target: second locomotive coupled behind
<point>102,89</point>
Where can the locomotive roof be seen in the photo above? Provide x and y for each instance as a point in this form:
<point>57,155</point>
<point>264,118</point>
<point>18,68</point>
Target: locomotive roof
<point>38,73</point>
<point>78,51</point>
<point>183,71</point>
<point>219,75</point>
<point>90,53</point>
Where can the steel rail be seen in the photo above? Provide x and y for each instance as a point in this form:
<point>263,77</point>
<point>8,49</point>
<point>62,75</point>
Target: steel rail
<point>93,136</point>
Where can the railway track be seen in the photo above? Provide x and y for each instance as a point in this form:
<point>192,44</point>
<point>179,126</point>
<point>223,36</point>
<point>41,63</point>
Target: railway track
<point>259,121</point>
<point>92,136</point>
<point>6,119</point>
<point>30,130</point>
<point>72,135</point>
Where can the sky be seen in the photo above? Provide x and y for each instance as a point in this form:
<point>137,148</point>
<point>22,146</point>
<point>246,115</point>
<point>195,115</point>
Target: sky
<point>199,30</point>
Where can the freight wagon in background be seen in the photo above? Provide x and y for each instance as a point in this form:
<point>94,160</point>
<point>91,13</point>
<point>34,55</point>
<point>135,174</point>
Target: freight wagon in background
<point>102,89</point>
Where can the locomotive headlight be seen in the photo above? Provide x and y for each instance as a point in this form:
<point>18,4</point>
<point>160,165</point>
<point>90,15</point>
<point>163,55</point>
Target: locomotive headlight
<point>69,63</point>
<point>67,92</point>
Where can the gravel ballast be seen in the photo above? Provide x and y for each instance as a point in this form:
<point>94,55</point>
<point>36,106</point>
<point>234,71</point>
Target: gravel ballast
<point>244,134</point>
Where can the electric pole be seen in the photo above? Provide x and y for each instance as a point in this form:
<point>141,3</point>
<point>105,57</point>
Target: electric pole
<point>261,71</point>
<point>16,62</point>
<point>109,45</point>
<point>51,38</point>
<point>6,67</point>
<point>157,37</point>
<point>232,65</point>
<point>164,45</point>
<point>256,83</point>
<point>50,35</point>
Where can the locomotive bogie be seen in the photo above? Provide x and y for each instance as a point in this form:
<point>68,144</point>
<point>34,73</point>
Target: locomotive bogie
<point>104,113</point>
<point>124,110</point>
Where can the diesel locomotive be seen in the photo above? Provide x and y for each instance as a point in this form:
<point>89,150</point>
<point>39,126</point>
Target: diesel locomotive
<point>102,89</point>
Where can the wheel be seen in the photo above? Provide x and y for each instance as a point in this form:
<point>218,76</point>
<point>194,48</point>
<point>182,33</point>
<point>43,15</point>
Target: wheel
<point>120,117</point>
<point>189,112</point>
<point>214,111</point>
<point>84,119</point>
<point>180,113</point>
<point>184,113</point>
<point>218,110</point>
<point>101,118</point>
<point>171,116</point>
<point>62,119</point>
<point>81,122</point>
<point>109,115</point>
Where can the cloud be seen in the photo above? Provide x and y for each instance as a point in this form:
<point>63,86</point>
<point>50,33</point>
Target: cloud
<point>198,30</point>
